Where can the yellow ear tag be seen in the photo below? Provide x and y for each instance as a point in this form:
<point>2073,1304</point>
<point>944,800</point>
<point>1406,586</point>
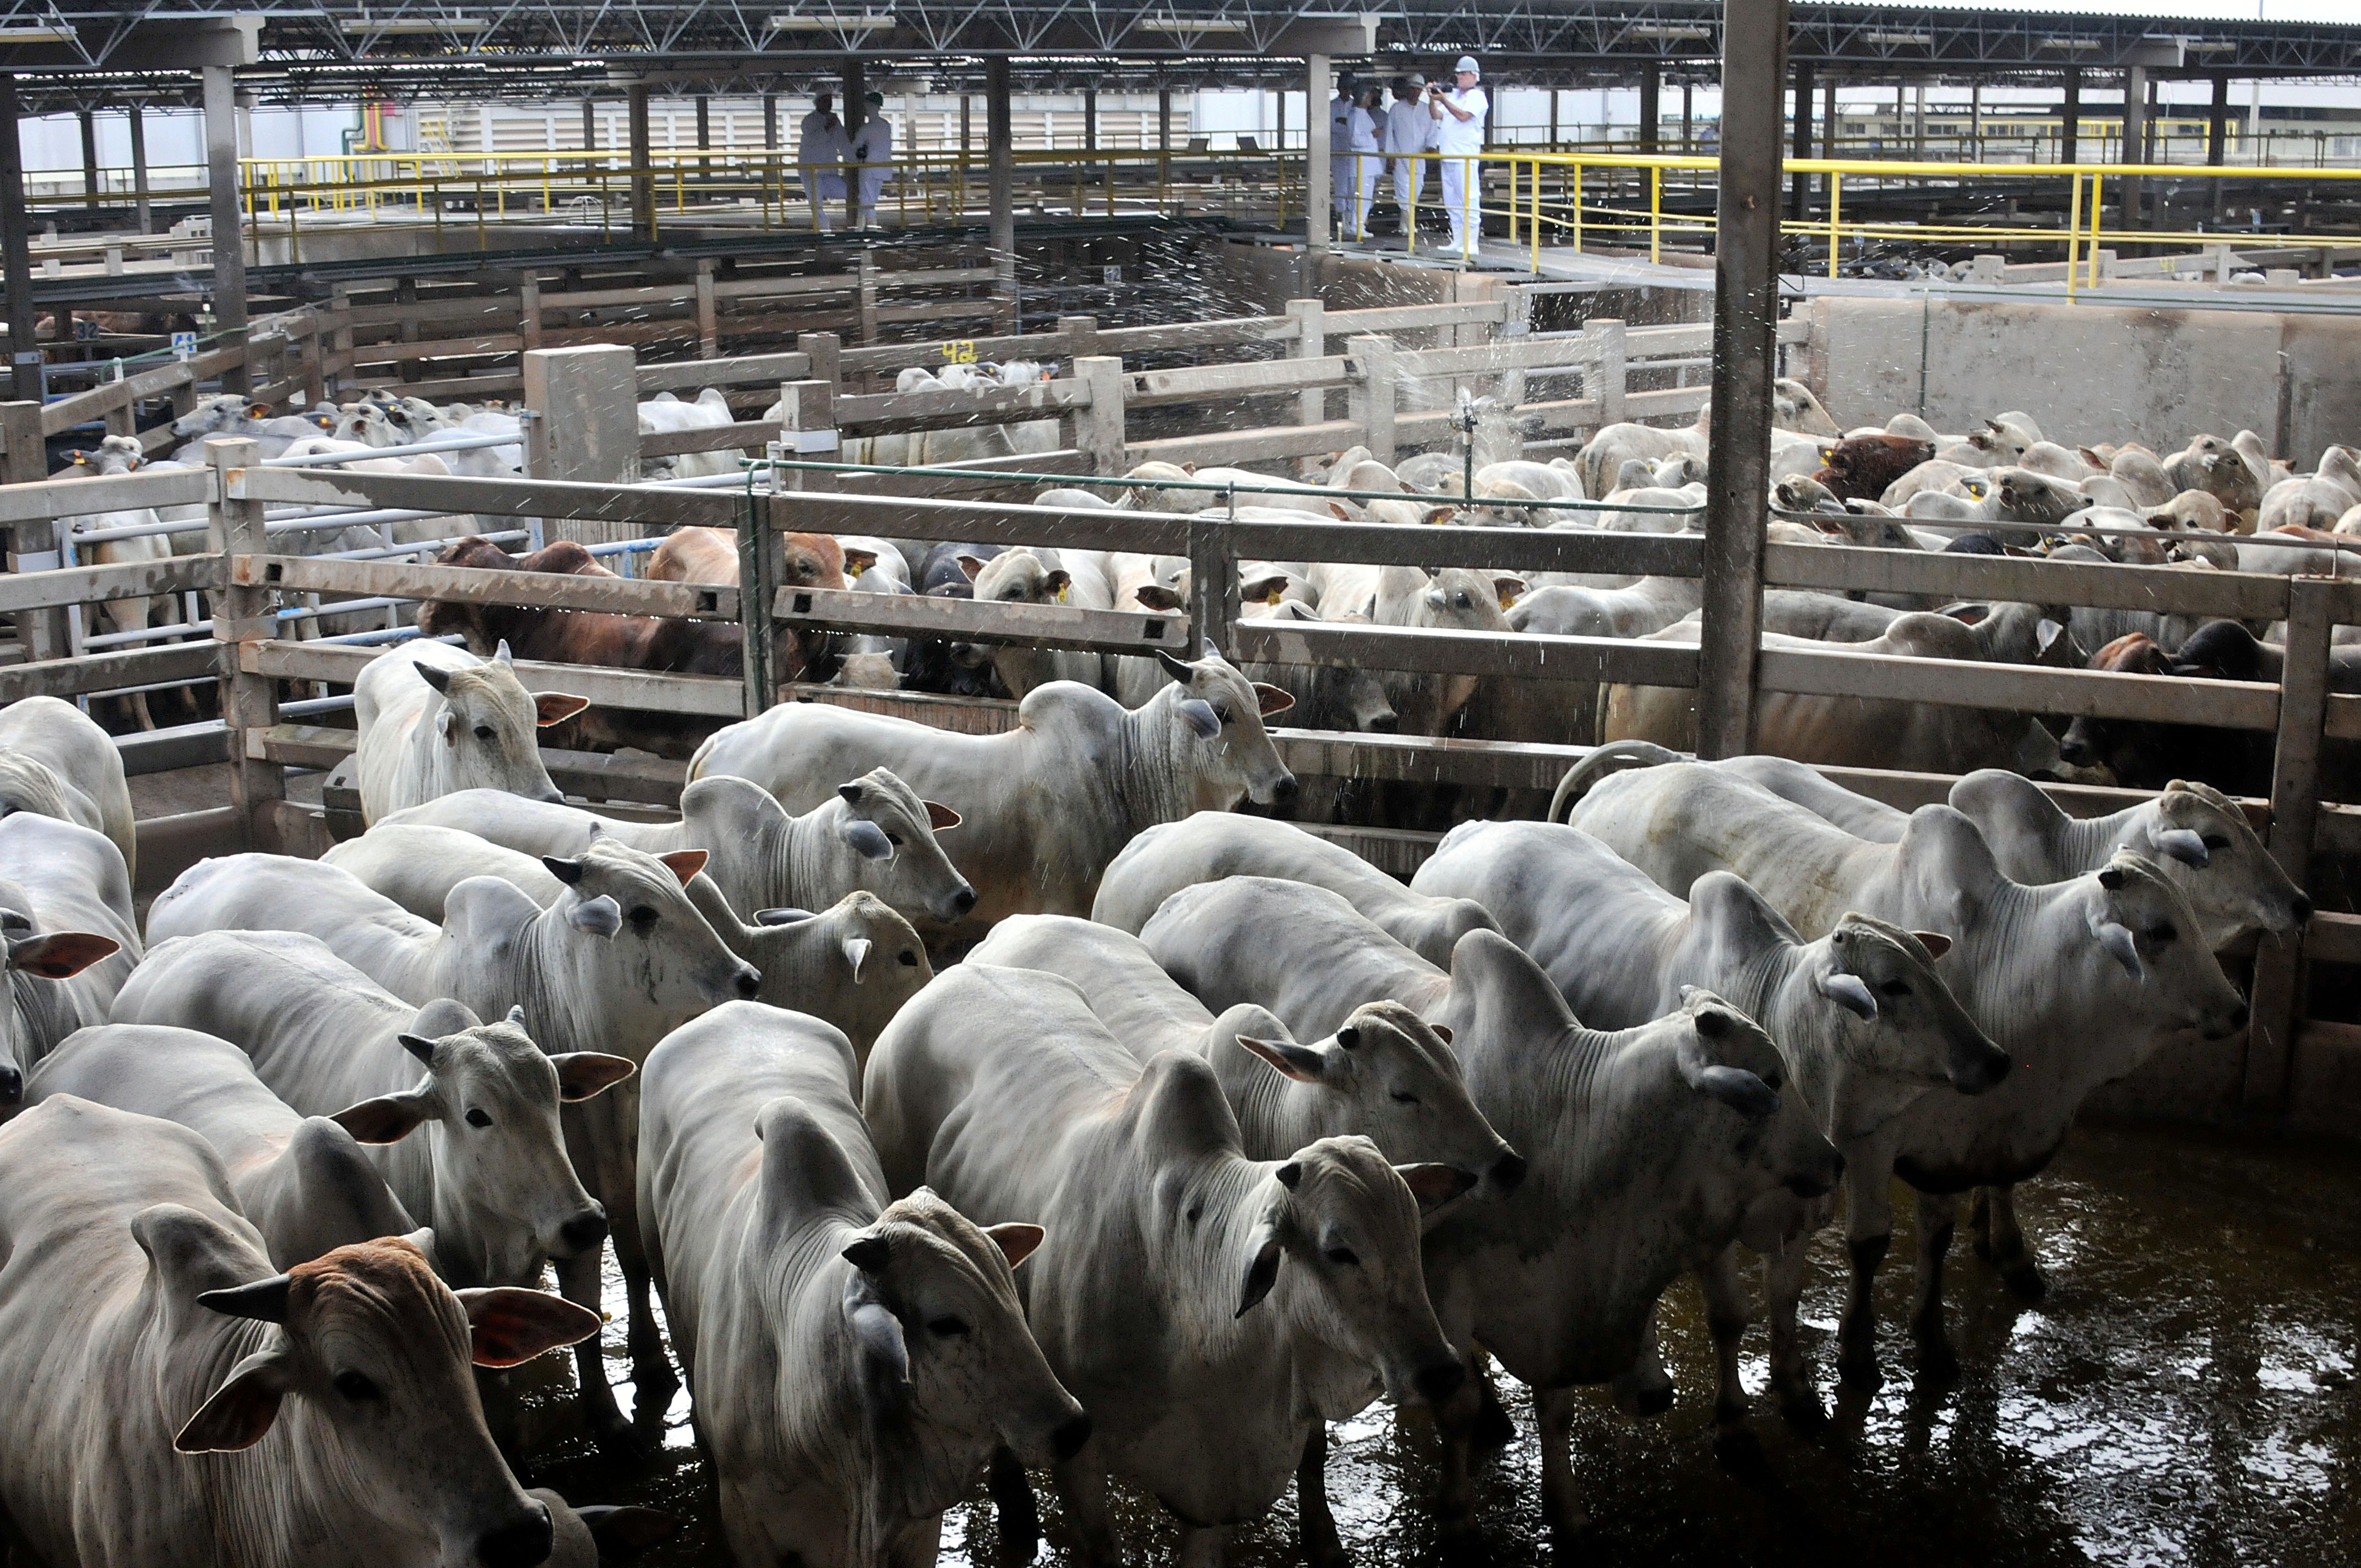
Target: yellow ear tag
<point>1507,598</point>
<point>1275,597</point>
<point>857,570</point>
<point>1062,593</point>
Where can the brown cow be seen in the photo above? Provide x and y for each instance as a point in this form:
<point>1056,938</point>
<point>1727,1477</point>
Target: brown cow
<point>1860,468</point>
<point>710,556</point>
<point>664,643</point>
<point>2147,754</point>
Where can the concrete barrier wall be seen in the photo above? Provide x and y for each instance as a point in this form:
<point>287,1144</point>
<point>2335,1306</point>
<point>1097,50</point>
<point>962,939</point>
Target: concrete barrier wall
<point>2090,373</point>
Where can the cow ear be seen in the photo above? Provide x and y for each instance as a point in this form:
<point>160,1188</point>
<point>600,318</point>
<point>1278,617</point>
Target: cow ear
<point>859,561</point>
<point>62,954</point>
<point>1288,1059</point>
<point>1508,588</point>
<point>600,916</point>
<point>2183,845</point>
<point>971,565</point>
<point>1935,942</point>
<point>856,953</point>
<point>1435,1185</point>
<point>2116,937</point>
<point>781,917</point>
<point>1155,595</point>
<point>1440,515</point>
<point>1270,699</point>
<point>240,1412</point>
<point>1441,1033</point>
<point>867,840</point>
<point>257,411</point>
<point>941,818</point>
<point>447,724</point>
<point>555,708</point>
<point>1968,614</point>
<point>507,1325</point>
<point>685,864</point>
<point>434,675</point>
<point>1017,1242</point>
<point>1056,584</point>
<point>1261,1274</point>
<point>1199,715</point>
<point>387,1119</point>
<point>582,1075</point>
<point>1848,991</point>
<point>884,1353</point>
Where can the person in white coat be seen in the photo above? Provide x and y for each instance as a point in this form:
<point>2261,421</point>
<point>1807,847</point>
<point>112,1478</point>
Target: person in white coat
<point>1340,154</point>
<point>1409,131</point>
<point>823,150</point>
<point>872,152</point>
<point>1459,138</point>
<point>1366,145</point>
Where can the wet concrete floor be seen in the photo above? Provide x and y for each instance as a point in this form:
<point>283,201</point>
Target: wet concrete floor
<point>2185,1394</point>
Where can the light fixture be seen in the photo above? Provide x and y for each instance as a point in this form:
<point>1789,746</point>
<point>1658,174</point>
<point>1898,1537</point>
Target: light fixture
<point>416,24</point>
<point>2212,45</point>
<point>2067,43</point>
<point>54,34</point>
<point>866,22</point>
<point>1920,39</point>
<point>1668,30</point>
<point>1175,24</point>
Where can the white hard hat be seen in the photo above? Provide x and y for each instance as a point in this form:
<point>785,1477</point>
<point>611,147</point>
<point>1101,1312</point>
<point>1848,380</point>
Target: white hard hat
<point>1467,64</point>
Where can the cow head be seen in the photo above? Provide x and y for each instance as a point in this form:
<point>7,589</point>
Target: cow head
<point>1895,1014</point>
<point>1214,736</point>
<point>1335,1247</point>
<point>505,1196</point>
<point>369,1357</point>
<point>2203,842</point>
<point>854,964</point>
<point>634,943</point>
<point>2147,948</point>
<point>883,821</point>
<point>935,1335</point>
<point>1389,1074</point>
<point>1725,1057</point>
<point>60,955</point>
<point>484,724</point>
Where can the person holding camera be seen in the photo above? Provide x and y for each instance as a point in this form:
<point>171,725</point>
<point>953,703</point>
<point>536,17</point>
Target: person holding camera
<point>1458,115</point>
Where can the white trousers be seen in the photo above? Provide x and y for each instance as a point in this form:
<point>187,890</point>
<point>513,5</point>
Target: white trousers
<point>824,183</point>
<point>873,185</point>
<point>1461,192</point>
<point>1410,177</point>
<point>1364,188</point>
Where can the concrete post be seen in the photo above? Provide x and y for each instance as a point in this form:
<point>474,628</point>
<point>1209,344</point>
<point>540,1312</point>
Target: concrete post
<point>770,122</point>
<point>856,110</point>
<point>2135,142</point>
<point>825,351</point>
<point>2069,113</point>
<point>1164,119</point>
<point>1318,188</point>
<point>1613,359</point>
<point>1745,319</point>
<point>644,177</point>
<point>1799,185</point>
<point>1311,343</point>
<point>1651,81</point>
<point>584,425</point>
<point>89,119</point>
<point>704,133</point>
<point>249,703</point>
<point>1089,119</point>
<point>1831,128</point>
<point>138,127</point>
<point>1371,400</point>
<point>1688,116</point>
<point>33,543</point>
<point>1099,428</point>
<point>589,125</point>
<point>17,257</point>
<point>1000,146</point>
<point>222,179</point>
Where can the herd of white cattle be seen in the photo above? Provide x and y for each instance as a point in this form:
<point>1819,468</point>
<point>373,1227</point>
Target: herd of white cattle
<point>1206,1133</point>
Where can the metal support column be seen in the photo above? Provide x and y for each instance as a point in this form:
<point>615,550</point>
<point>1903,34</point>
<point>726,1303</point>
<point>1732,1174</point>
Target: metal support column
<point>1799,186</point>
<point>770,122</point>
<point>856,110</point>
<point>138,127</point>
<point>703,134</point>
<point>1652,81</point>
<point>1164,119</point>
<point>1831,130</point>
<point>1000,146</point>
<point>1745,320</point>
<point>2130,186</point>
<point>222,179</point>
<point>16,255</point>
<point>1319,190</point>
<point>2069,117</point>
<point>589,125</point>
<point>2217,136</point>
<point>89,119</point>
<point>1089,119</point>
<point>644,175</point>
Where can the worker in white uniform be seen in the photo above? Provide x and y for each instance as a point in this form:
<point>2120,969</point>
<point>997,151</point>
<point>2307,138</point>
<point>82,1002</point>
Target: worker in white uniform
<point>1367,161</point>
<point>873,150</point>
<point>823,150</point>
<point>1459,139</point>
<point>1340,154</point>
<point>1409,131</point>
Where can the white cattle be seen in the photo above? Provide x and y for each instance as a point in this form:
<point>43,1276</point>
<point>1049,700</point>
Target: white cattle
<point>174,1399</point>
<point>853,964</point>
<point>231,414</point>
<point>83,758</point>
<point>1649,1145</point>
<point>1047,805</point>
<point>1862,1020</point>
<point>302,1180</point>
<point>2317,500</point>
<point>906,1356</point>
<point>122,454</point>
<point>59,879</point>
<point>1037,576</point>
<point>665,414</point>
<point>874,834</point>
<point>434,719</point>
<point>1215,844</point>
<point>2193,833</point>
<point>1454,599</point>
<point>1634,612</point>
<point>460,1118</point>
<point>1000,1089</point>
<point>2080,981</point>
<point>1603,456</point>
<point>1385,1075</point>
<point>615,964</point>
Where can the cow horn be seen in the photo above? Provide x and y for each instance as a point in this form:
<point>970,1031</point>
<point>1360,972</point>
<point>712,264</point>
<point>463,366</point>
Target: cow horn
<point>1176,667</point>
<point>434,675</point>
<point>418,1045</point>
<point>565,871</point>
<point>263,1301</point>
<point>502,654</point>
<point>516,1015</point>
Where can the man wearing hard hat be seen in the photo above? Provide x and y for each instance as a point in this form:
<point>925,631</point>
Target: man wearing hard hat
<point>1458,115</point>
<point>1410,134</point>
